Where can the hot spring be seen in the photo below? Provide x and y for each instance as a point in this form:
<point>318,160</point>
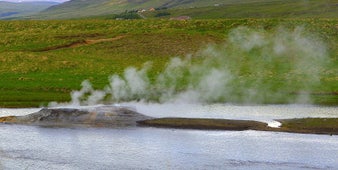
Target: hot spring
<point>252,68</point>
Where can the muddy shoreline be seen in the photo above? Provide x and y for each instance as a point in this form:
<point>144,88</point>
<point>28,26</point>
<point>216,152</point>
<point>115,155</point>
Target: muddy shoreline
<point>119,117</point>
<point>327,126</point>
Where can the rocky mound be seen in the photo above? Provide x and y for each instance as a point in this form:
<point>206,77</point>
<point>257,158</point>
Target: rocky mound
<point>104,116</point>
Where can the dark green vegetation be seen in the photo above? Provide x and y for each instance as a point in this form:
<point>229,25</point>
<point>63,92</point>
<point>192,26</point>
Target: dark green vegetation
<point>195,8</point>
<point>10,10</point>
<point>305,125</point>
<point>43,61</point>
<point>127,15</point>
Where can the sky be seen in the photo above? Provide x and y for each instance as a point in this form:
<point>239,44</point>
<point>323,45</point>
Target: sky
<point>34,0</point>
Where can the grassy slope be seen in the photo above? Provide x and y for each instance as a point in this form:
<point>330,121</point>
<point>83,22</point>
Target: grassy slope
<point>86,8</point>
<point>260,9</point>
<point>30,77</point>
<point>196,8</point>
<point>13,10</point>
<point>35,77</point>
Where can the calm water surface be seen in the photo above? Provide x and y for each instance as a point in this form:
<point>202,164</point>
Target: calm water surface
<point>29,147</point>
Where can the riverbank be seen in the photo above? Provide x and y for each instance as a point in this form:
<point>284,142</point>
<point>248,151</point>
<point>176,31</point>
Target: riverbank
<point>304,125</point>
<point>233,118</point>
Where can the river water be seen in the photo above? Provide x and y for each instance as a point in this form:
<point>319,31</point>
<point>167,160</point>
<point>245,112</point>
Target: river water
<point>32,147</point>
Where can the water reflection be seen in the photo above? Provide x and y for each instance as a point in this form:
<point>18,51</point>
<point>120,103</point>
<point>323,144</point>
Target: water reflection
<point>32,147</point>
<point>25,147</point>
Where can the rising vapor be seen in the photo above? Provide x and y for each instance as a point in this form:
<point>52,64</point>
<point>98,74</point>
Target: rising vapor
<point>252,66</point>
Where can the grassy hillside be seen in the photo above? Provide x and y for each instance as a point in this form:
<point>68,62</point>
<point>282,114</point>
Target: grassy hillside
<point>10,10</point>
<point>196,8</point>
<point>257,9</point>
<point>85,8</point>
<point>39,66</point>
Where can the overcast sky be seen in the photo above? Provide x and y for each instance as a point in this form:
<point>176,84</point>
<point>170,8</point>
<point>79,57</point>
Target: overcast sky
<point>34,0</point>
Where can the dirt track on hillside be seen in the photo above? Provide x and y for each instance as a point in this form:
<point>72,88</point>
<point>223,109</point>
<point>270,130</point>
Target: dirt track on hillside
<point>80,43</point>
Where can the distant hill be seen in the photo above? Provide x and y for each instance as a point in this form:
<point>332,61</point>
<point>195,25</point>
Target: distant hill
<point>9,10</point>
<point>255,9</point>
<point>195,8</point>
<point>86,8</point>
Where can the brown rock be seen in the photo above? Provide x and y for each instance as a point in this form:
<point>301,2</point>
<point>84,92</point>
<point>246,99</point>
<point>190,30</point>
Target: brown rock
<point>104,116</point>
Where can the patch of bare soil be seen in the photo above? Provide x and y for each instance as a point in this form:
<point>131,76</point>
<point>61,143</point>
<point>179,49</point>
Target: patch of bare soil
<point>80,43</point>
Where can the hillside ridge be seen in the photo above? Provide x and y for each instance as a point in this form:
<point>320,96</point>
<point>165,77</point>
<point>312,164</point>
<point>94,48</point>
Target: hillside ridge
<point>11,10</point>
<point>194,8</point>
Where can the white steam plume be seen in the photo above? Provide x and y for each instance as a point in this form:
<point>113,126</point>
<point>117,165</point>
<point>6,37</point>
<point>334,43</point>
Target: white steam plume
<point>253,66</point>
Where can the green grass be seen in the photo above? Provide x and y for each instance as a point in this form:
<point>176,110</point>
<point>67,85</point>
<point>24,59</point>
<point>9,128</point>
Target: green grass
<point>31,76</point>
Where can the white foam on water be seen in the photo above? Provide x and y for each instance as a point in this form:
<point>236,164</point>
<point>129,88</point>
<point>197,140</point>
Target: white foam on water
<point>274,124</point>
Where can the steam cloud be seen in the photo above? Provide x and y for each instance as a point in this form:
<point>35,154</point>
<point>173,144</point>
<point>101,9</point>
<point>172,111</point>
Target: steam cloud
<point>253,66</point>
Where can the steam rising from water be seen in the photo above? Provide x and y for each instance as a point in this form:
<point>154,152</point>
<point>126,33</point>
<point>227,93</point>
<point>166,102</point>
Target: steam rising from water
<point>253,66</point>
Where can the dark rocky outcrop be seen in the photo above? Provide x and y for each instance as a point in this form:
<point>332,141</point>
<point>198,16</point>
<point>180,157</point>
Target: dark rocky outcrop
<point>104,116</point>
